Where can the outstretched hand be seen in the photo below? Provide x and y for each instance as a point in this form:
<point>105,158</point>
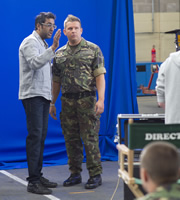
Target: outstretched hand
<point>56,38</point>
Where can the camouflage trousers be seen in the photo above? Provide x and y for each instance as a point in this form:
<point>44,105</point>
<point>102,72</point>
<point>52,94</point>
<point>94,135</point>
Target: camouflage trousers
<point>80,126</point>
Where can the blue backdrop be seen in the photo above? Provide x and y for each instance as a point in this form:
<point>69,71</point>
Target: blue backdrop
<point>108,23</point>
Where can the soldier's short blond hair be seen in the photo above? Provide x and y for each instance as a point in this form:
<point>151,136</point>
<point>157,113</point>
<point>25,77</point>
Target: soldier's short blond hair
<point>161,160</point>
<point>71,18</point>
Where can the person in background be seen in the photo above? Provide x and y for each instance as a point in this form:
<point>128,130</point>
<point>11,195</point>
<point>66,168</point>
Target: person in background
<point>78,70</point>
<point>35,92</point>
<point>167,88</point>
<point>159,171</point>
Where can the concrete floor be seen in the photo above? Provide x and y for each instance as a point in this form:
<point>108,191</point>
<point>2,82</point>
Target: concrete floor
<point>13,184</point>
<point>148,104</point>
<point>11,189</point>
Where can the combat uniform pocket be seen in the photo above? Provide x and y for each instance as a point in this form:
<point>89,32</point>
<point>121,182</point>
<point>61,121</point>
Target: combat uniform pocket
<point>60,60</point>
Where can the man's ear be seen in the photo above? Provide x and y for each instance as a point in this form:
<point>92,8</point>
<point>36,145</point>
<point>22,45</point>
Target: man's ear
<point>38,25</point>
<point>64,31</point>
<point>145,179</point>
<point>144,175</point>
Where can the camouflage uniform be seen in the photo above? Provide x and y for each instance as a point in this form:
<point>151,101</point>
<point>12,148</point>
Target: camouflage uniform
<point>76,70</point>
<point>168,192</point>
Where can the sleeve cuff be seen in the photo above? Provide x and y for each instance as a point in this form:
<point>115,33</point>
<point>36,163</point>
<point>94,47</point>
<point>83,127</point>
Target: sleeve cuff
<point>99,71</point>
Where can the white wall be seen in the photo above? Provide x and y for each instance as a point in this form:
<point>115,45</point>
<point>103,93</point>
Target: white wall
<point>150,28</point>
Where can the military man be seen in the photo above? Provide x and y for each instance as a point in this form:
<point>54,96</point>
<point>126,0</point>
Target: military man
<point>159,171</point>
<point>78,70</point>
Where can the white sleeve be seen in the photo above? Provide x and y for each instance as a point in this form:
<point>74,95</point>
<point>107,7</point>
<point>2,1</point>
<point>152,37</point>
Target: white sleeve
<point>35,54</point>
<point>160,83</point>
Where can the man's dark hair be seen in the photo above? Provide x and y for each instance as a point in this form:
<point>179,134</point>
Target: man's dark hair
<point>41,18</point>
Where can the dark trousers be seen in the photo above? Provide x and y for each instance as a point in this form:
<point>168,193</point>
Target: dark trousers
<point>37,114</point>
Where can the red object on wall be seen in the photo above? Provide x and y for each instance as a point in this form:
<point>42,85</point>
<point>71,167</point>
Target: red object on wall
<point>153,54</point>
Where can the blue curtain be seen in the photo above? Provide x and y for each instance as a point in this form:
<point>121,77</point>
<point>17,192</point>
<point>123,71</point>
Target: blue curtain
<point>121,81</point>
<point>107,23</point>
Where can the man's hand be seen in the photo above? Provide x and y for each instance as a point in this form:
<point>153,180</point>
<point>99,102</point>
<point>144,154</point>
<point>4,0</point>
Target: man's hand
<point>56,38</point>
<point>99,107</point>
<point>161,104</point>
<point>52,112</point>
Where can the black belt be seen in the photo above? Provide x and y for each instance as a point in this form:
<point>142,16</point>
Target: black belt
<point>79,95</point>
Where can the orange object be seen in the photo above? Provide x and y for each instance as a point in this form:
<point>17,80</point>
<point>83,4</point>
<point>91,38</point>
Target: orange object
<point>153,54</point>
<point>147,90</point>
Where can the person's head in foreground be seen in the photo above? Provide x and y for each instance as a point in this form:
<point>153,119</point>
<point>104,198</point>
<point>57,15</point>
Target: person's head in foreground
<point>160,165</point>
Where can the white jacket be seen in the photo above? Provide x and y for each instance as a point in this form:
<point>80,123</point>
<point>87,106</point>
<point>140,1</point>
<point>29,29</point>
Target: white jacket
<point>35,67</point>
<point>168,87</point>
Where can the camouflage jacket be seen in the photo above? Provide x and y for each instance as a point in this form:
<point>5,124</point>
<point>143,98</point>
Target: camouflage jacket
<point>168,192</point>
<point>77,68</point>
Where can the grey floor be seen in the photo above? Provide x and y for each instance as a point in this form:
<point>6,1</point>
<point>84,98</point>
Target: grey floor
<point>13,184</point>
<point>11,189</point>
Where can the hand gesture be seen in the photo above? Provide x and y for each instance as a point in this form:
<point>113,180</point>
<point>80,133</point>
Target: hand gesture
<point>56,38</point>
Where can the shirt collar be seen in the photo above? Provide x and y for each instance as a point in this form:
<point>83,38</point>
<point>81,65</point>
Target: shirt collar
<point>43,42</point>
<point>81,44</point>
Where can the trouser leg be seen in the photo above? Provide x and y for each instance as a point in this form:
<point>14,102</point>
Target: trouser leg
<point>70,127</point>
<point>46,105</point>
<point>37,120</point>
<point>89,131</point>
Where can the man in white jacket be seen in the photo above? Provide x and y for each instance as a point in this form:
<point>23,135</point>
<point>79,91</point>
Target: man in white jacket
<point>35,93</point>
<point>168,88</point>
